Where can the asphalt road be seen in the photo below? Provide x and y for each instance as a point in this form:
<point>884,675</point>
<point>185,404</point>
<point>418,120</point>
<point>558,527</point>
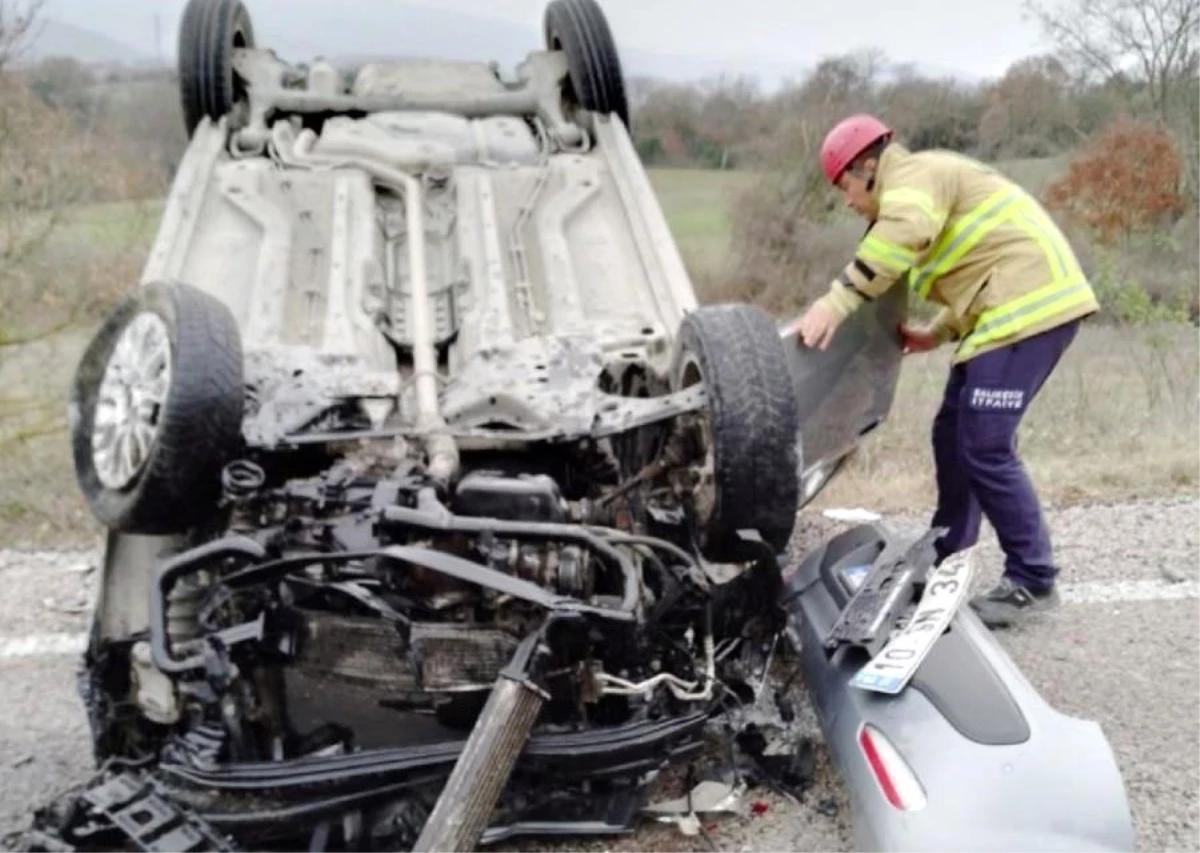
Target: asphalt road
<point>1124,649</point>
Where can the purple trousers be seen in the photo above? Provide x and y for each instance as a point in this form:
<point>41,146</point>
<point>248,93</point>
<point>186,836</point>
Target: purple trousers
<point>975,452</point>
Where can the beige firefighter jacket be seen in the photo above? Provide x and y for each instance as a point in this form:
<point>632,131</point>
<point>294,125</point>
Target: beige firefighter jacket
<point>962,235</point>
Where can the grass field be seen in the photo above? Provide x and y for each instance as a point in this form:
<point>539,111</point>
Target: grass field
<point>696,203</point>
<point>1118,420</point>
<point>124,224</point>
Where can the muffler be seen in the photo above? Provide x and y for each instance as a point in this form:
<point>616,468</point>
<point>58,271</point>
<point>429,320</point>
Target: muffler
<point>486,762</point>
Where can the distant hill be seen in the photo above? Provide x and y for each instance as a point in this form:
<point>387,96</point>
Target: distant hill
<point>54,38</point>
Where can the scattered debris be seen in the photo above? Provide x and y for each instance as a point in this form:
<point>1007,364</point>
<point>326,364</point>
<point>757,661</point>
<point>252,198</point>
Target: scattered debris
<point>688,824</point>
<point>857,514</point>
<point>789,766</point>
<point>79,604</point>
<point>787,710</point>
<point>708,797</point>
<point>1172,574</point>
<point>768,746</point>
<point>829,808</point>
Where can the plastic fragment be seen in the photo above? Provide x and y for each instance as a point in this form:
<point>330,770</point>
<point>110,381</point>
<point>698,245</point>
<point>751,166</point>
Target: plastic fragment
<point>707,797</point>
<point>851,515</point>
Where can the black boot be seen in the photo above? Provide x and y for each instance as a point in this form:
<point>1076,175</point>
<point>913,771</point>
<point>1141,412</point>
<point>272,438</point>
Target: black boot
<point>1007,602</point>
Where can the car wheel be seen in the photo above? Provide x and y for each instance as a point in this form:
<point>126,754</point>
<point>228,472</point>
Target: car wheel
<point>580,30</point>
<point>749,479</point>
<point>208,34</point>
<point>156,409</point>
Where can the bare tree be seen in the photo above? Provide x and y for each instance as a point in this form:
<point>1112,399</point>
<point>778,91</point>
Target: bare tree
<point>729,114</point>
<point>1028,112</point>
<point>845,80</point>
<point>18,20</point>
<point>929,113</point>
<point>1154,39</point>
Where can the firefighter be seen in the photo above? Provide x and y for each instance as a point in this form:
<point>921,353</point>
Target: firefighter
<point>1012,296</point>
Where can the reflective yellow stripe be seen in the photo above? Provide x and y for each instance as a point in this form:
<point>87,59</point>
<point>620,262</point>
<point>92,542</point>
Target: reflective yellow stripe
<point>917,198</point>
<point>891,255</point>
<point>1055,242</point>
<point>1025,311</point>
<point>964,235</point>
<point>1037,232</point>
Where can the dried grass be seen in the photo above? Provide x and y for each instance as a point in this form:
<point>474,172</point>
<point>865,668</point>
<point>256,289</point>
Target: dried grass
<point>62,265</point>
<point>1118,420</point>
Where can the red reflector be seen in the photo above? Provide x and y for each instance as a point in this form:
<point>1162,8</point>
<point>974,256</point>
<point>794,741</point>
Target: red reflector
<point>878,768</point>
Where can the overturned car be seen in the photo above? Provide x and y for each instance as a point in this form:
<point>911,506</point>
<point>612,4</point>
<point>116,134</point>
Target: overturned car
<point>420,461</point>
<point>439,512</point>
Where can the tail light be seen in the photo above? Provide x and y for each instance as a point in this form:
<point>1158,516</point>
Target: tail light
<point>896,779</point>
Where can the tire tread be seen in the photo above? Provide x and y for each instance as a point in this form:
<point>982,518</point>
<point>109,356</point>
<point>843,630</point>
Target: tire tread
<point>592,59</point>
<point>755,419</point>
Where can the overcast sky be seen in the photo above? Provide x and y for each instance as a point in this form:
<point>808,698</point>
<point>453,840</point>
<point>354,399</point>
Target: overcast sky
<point>977,38</point>
<point>973,39</point>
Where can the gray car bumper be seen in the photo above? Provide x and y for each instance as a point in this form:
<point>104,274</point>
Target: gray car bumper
<point>993,766</point>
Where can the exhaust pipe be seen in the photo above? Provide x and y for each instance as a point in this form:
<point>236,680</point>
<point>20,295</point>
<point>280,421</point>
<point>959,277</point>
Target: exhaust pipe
<point>485,764</point>
<point>440,447</point>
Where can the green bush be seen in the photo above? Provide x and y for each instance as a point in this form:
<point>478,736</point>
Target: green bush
<point>1124,299</point>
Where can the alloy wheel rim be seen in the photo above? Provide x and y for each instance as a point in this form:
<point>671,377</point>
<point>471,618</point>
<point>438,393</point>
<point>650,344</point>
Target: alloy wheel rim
<point>130,401</point>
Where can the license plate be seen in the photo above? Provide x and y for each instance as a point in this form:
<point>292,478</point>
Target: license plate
<point>946,587</point>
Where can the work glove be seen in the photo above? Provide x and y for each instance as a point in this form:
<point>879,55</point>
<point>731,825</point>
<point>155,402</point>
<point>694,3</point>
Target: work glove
<point>916,339</point>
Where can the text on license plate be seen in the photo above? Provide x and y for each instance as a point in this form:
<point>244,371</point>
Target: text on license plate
<point>891,669</point>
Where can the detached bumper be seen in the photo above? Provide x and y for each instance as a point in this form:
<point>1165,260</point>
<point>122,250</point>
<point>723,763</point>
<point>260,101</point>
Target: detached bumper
<point>994,766</point>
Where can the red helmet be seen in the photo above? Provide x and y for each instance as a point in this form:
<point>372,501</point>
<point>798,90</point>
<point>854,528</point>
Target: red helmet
<point>849,138</point>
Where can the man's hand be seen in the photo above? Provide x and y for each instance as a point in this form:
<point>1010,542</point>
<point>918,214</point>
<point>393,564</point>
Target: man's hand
<point>917,339</point>
<point>817,326</point>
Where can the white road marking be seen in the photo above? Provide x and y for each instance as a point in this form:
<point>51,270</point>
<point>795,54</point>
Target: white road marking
<point>1099,592</point>
<point>1122,592</point>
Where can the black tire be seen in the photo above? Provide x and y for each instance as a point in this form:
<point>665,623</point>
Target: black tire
<point>580,29</point>
<point>753,422</point>
<point>198,427</point>
<point>208,34</point>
